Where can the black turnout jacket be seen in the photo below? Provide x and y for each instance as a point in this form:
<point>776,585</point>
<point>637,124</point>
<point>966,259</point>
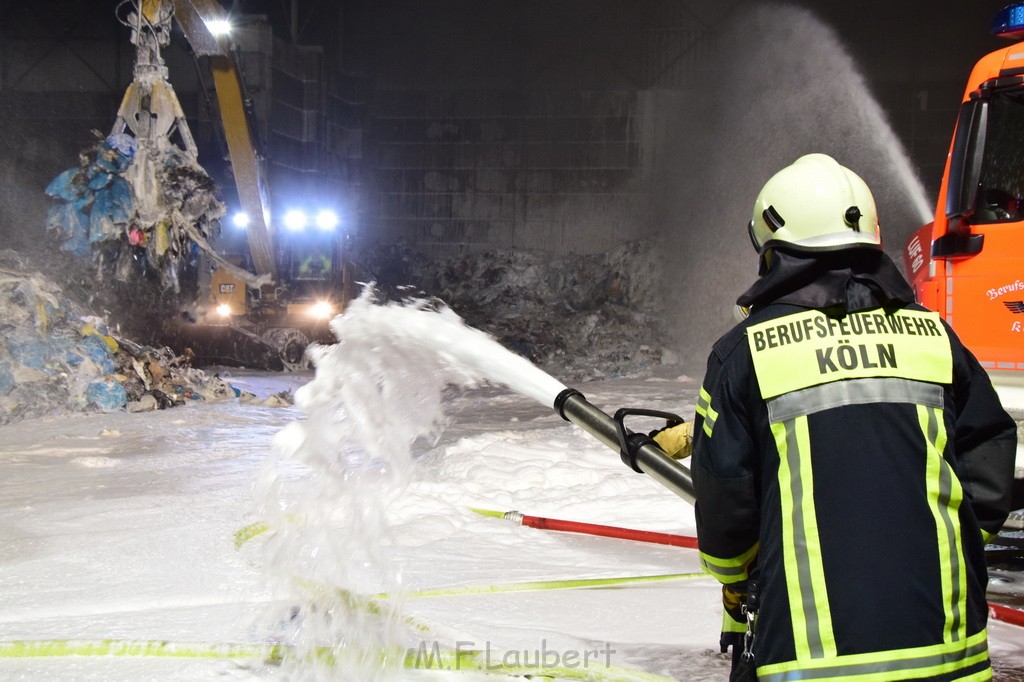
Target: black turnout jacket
<point>851,458</point>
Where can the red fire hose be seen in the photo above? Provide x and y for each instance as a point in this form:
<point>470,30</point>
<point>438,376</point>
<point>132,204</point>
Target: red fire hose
<point>1006,614</point>
<point>593,529</point>
<point>996,611</point>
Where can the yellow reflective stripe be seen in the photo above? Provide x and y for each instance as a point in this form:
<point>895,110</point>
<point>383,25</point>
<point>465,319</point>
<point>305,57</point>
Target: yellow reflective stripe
<point>988,537</point>
<point>818,600</point>
<point>705,410</point>
<point>810,348</point>
<point>887,666</point>
<point>788,505</point>
<point>703,401</point>
<point>805,573</point>
<point>709,421</point>
<point>945,495</point>
<point>728,571</point>
<point>730,624</point>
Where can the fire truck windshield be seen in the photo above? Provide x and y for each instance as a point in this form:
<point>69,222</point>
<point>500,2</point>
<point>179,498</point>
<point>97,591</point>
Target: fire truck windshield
<point>1000,196</point>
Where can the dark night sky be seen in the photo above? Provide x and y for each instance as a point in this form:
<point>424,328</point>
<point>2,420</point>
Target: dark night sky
<point>928,34</point>
<point>933,37</point>
<point>912,54</point>
<point>904,48</point>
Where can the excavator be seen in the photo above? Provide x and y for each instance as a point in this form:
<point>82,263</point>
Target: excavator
<point>264,303</point>
<point>966,264</point>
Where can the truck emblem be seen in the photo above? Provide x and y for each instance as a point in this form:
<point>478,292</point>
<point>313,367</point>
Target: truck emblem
<point>1015,307</point>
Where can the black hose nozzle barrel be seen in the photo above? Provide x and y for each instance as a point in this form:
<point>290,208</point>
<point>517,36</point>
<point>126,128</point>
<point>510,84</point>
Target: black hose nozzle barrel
<point>639,452</point>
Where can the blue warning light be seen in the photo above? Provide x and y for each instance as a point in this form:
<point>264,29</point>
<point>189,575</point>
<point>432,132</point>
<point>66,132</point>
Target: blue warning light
<point>1009,23</point>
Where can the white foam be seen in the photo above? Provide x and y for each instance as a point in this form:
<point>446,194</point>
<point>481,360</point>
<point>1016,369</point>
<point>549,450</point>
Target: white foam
<point>376,392</point>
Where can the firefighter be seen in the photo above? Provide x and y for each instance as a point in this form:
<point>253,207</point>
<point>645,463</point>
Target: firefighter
<point>850,456</point>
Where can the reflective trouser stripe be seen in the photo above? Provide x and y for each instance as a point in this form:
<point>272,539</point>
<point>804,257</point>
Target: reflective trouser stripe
<point>944,497</point>
<point>805,573</point>
<point>887,666</point>
<point>729,624</point>
<point>731,570</point>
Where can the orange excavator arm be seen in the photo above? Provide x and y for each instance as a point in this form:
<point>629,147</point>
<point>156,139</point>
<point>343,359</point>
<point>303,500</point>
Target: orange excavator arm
<point>194,17</point>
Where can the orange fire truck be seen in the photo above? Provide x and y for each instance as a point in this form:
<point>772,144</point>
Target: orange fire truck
<point>968,264</point>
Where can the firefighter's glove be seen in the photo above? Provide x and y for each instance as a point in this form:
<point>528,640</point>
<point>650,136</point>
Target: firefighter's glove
<point>734,621</point>
<point>733,596</point>
<point>676,441</point>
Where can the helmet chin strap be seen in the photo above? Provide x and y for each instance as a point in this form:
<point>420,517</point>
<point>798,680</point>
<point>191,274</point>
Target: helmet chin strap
<point>764,263</point>
<point>764,260</point>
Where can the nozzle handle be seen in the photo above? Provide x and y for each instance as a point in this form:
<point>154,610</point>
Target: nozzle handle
<point>643,453</point>
<point>630,442</point>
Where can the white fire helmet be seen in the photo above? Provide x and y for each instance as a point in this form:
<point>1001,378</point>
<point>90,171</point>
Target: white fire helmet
<point>815,205</point>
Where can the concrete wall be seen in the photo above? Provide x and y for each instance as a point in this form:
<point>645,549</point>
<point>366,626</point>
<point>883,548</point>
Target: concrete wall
<point>536,124</point>
<point>542,169</point>
<point>514,126</point>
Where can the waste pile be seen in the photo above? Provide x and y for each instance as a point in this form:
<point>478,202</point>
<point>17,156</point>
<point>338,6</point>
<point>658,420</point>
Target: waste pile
<point>57,358</point>
<point>137,213</point>
<point>577,316</point>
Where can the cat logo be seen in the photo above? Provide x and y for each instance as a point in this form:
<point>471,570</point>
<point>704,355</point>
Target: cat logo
<point>227,288</point>
<point>1015,307</point>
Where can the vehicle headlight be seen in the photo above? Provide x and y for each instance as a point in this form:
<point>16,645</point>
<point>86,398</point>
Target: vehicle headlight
<point>321,310</point>
<point>327,220</point>
<point>218,27</point>
<point>296,220</point>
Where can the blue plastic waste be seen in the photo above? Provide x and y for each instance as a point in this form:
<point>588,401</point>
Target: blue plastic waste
<point>106,394</point>
<point>30,351</point>
<point>112,208</point>
<point>121,199</point>
<point>61,218</point>
<point>78,243</point>
<point>94,348</point>
<point>98,179</point>
<point>123,143</point>
<point>73,225</point>
<point>7,382</point>
<point>73,359</point>
<point>63,187</point>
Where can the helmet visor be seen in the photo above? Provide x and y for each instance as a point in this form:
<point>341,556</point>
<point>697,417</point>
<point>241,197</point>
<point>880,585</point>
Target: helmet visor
<point>753,237</point>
